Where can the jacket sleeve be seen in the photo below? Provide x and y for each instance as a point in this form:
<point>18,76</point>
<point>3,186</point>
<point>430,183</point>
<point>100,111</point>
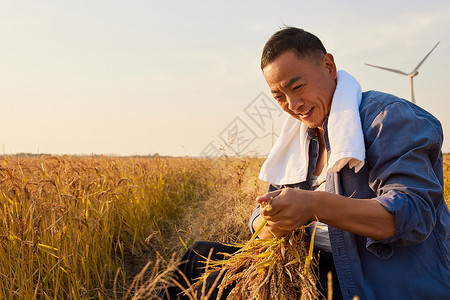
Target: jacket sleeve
<point>403,150</point>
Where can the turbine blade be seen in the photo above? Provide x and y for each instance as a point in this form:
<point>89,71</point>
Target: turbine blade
<point>418,66</point>
<point>388,69</point>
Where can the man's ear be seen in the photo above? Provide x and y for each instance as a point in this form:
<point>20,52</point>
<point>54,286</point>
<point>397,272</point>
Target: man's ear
<point>330,66</point>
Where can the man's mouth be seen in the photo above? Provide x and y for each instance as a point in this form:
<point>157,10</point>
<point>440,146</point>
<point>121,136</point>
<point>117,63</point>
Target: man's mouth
<point>306,112</point>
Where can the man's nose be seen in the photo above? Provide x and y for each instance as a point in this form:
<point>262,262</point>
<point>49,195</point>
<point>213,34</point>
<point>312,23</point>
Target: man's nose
<point>295,103</point>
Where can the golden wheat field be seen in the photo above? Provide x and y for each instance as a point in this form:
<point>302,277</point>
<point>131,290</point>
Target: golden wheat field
<point>85,227</point>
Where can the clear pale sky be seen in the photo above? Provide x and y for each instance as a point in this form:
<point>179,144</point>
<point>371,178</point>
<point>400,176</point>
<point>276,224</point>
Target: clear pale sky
<point>168,77</point>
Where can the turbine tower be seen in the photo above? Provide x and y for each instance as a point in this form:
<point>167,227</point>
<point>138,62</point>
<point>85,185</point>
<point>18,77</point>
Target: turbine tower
<point>410,75</point>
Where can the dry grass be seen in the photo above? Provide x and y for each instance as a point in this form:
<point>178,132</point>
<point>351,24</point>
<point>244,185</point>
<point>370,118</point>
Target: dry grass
<point>223,214</point>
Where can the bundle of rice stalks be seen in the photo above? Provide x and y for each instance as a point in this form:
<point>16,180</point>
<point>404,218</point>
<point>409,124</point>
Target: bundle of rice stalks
<point>276,268</point>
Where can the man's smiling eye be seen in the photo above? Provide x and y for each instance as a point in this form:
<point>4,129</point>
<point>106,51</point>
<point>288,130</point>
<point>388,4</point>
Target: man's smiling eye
<point>297,87</point>
<point>279,98</point>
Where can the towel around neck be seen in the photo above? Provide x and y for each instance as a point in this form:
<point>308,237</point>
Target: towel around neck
<point>287,162</point>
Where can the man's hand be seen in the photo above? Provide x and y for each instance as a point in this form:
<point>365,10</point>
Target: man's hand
<point>269,231</point>
<point>288,211</point>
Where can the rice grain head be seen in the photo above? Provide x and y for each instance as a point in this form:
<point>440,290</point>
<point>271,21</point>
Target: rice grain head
<point>275,268</point>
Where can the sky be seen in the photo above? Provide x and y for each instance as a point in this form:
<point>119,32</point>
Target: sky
<point>182,78</point>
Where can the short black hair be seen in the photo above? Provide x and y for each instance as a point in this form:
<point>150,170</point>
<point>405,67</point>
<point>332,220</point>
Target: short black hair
<point>303,43</point>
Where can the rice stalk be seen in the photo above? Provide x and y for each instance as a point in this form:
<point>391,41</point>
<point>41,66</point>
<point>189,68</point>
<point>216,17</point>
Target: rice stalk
<point>274,268</point>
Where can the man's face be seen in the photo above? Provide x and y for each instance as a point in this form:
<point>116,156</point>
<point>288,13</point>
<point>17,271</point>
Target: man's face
<point>304,88</point>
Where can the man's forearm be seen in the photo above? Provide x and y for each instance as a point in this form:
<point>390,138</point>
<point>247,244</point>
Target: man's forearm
<point>365,217</point>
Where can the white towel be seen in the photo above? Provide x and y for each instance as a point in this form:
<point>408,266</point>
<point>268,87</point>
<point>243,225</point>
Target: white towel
<point>287,162</point>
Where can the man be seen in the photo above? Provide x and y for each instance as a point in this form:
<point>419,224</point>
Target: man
<point>367,165</point>
<point>388,224</point>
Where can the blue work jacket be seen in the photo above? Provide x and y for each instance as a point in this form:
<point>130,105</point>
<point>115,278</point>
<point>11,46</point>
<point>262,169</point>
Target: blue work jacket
<point>403,171</point>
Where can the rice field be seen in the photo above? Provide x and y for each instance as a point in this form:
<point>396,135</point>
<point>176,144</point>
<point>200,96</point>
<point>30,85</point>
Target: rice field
<point>86,227</point>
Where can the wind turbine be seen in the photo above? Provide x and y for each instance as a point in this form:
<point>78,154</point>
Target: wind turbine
<point>410,75</point>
